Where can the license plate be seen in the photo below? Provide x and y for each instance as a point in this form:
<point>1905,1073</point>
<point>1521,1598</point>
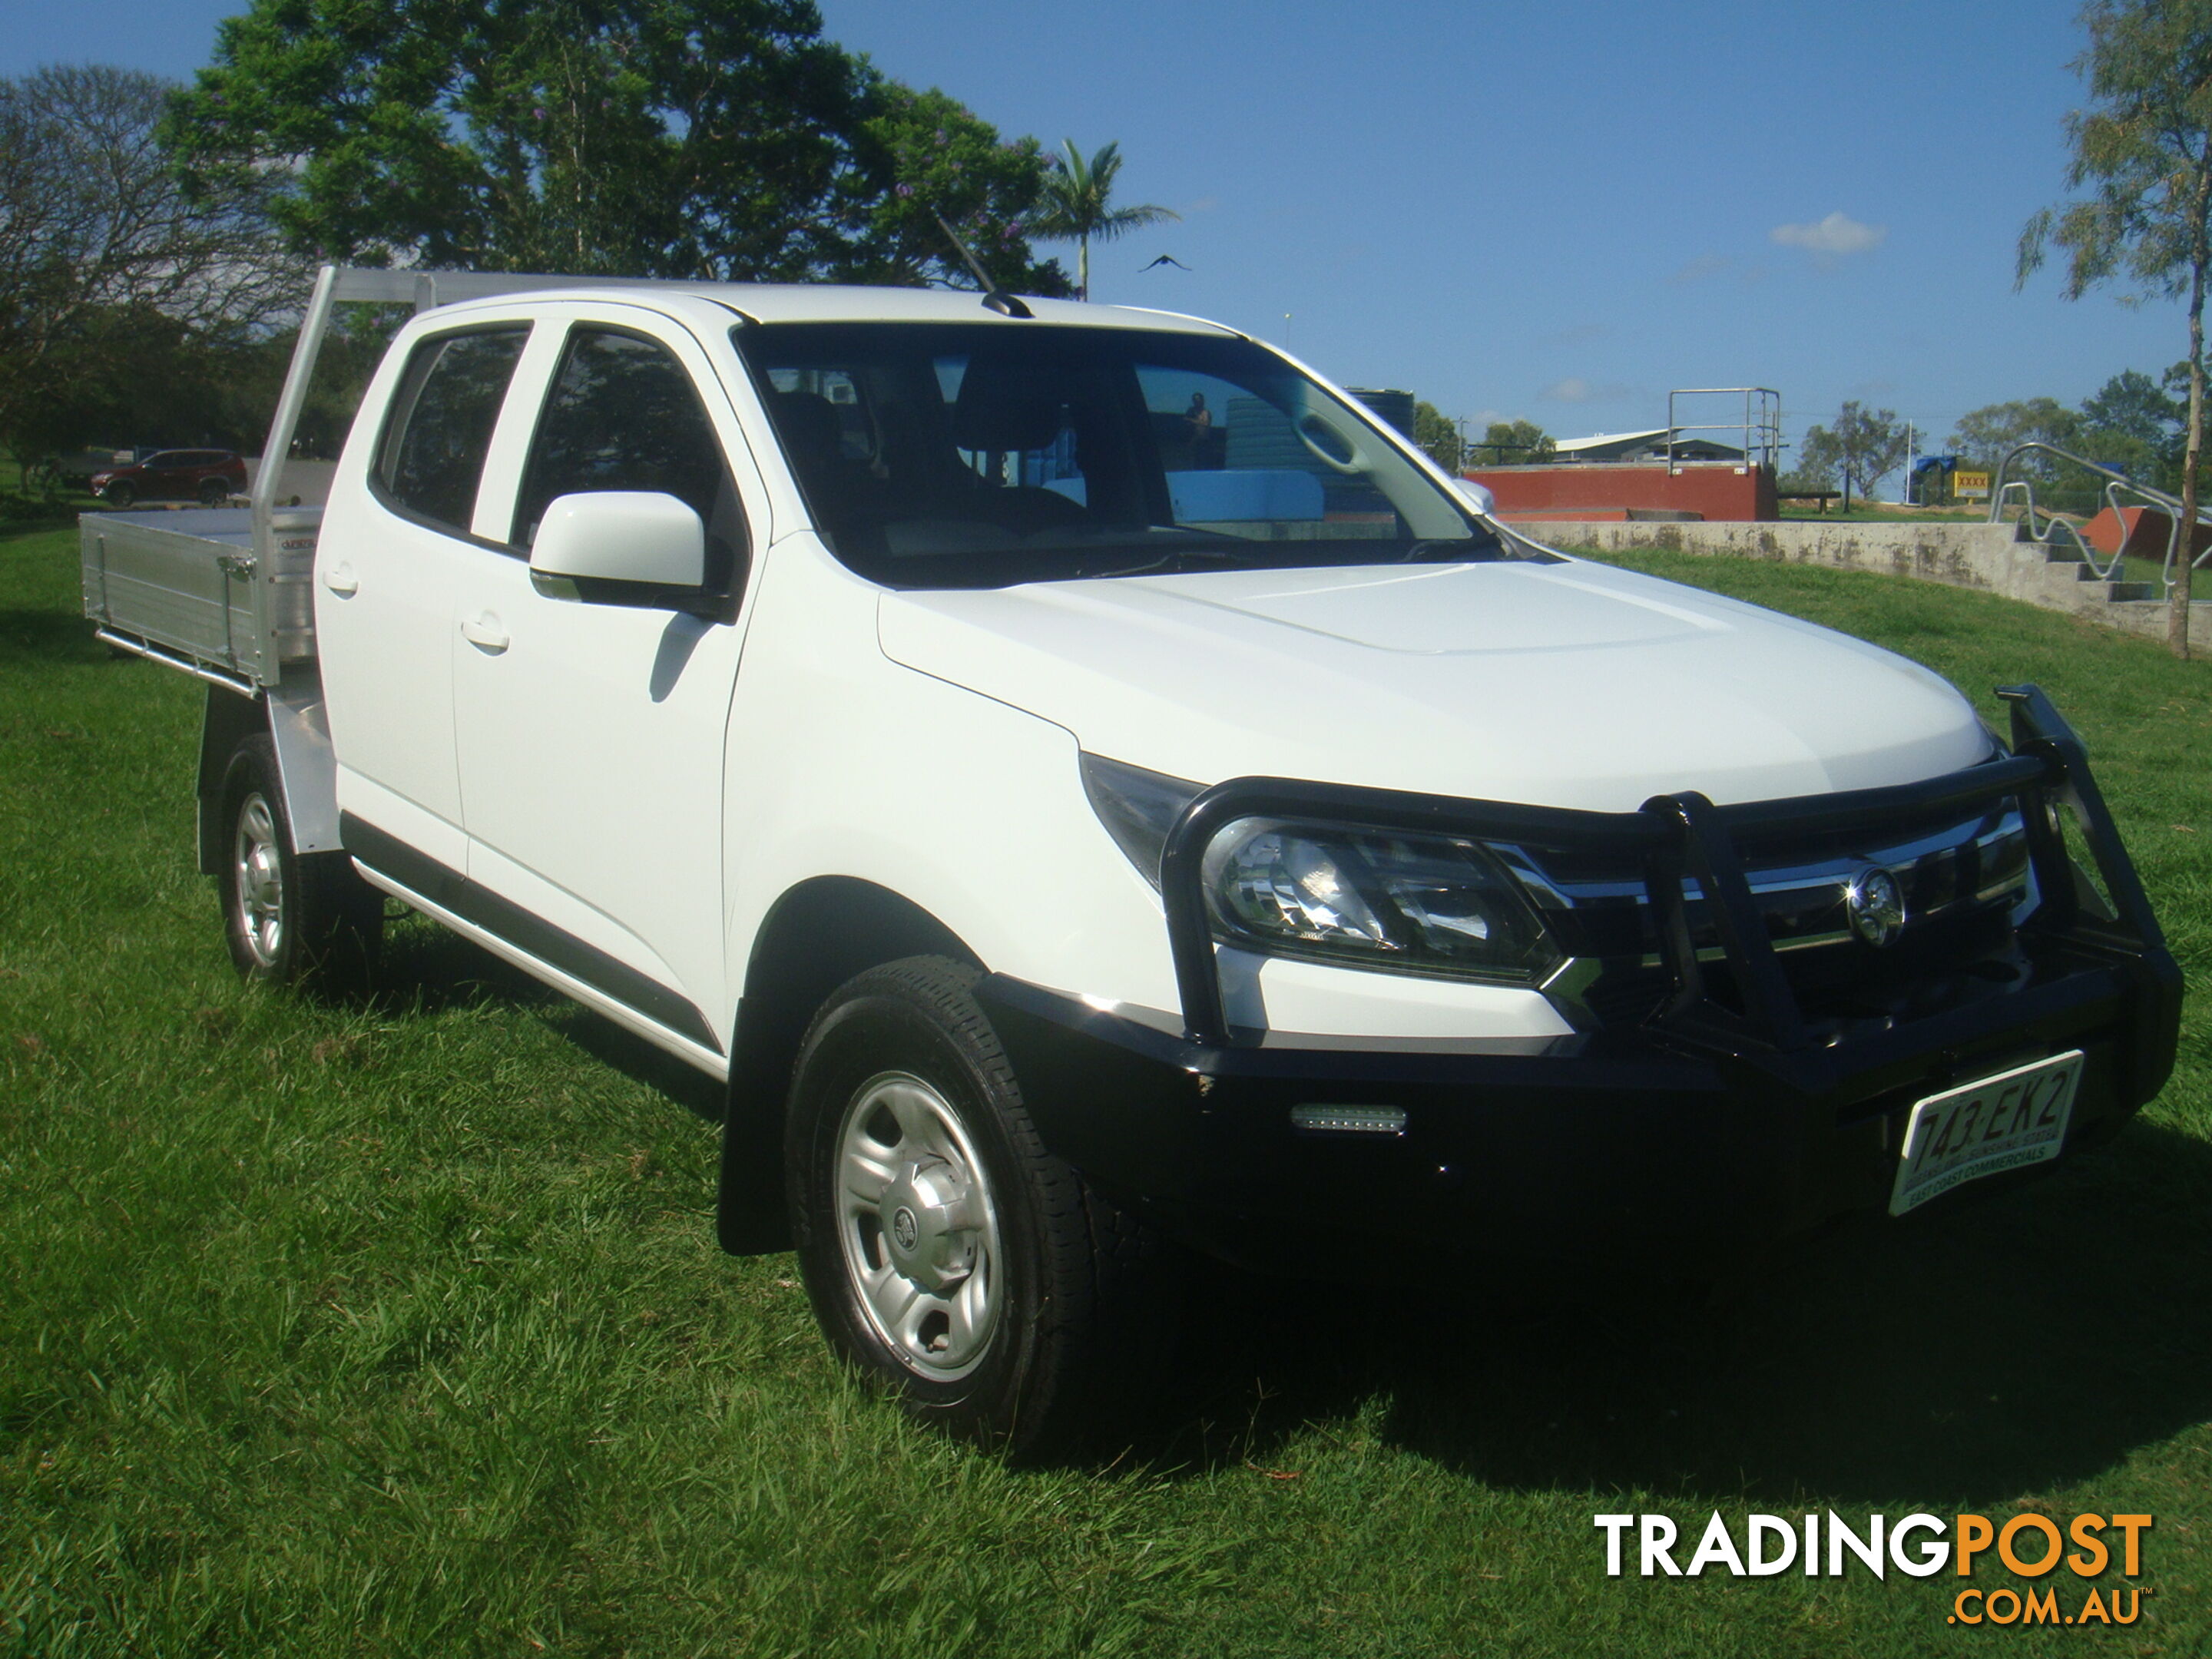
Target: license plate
<point>2002,1122</point>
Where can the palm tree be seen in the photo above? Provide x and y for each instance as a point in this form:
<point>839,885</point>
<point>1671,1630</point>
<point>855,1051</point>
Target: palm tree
<point>1075,192</point>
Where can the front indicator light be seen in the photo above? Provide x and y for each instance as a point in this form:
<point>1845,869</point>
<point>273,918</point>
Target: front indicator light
<point>1137,807</point>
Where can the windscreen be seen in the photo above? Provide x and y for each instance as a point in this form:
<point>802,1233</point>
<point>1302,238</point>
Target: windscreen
<point>967,455</point>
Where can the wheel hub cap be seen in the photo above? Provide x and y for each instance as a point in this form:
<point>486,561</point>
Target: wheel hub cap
<point>260,881</point>
<point>261,875</point>
<point>926,1220</point>
<point>918,1230</point>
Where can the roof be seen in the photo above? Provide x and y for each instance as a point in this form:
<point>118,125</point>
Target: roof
<point>1628,445</point>
<point>824,302</point>
<point>1606,440</point>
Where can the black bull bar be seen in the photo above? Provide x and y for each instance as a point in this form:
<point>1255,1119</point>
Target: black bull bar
<point>1685,834</point>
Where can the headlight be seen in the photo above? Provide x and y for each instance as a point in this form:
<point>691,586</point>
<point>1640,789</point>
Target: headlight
<point>1374,898</point>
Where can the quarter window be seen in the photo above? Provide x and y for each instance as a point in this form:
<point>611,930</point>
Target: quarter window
<point>434,452</point>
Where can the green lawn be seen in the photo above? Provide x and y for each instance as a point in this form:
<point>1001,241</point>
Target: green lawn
<point>16,508</point>
<point>1882,512</point>
<point>399,1329</point>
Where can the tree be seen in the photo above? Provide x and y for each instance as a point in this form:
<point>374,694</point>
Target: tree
<point>685,138</point>
<point>2131,424</point>
<point>1436,433</point>
<point>1516,443</point>
<point>2127,423</point>
<point>1861,448</point>
<point>1504,443</point>
<point>2143,149</point>
<point>135,376</point>
<point>1813,475</point>
<point>1076,197</point>
<point>2132,403</point>
<point>108,268</point>
<point>1986,435</point>
<point>941,158</point>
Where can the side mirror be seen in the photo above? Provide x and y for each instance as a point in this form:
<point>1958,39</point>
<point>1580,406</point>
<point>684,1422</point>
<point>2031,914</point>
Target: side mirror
<point>641,539</point>
<point>1478,496</point>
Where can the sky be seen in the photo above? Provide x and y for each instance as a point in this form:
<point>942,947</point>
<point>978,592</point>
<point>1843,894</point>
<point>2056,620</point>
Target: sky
<point>1552,212</point>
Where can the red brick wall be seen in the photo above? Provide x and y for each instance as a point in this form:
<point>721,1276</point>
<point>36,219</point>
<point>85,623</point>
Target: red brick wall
<point>1717,490</point>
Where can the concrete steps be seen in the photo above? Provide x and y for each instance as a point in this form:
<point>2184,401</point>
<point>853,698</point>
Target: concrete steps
<point>2064,557</point>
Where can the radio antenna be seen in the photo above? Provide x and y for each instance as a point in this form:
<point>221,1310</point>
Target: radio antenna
<point>1006,305</point>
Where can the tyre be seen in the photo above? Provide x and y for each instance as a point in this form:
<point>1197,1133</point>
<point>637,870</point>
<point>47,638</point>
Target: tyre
<point>119,494</point>
<point>214,492</point>
<point>289,918</point>
<point>951,1260</point>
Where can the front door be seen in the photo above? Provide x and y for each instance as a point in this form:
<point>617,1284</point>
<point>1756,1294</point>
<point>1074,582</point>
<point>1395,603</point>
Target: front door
<point>590,735</point>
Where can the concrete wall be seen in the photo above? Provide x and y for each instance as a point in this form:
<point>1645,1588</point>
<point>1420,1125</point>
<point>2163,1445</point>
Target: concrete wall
<point>1717,490</point>
<point>1988,556</point>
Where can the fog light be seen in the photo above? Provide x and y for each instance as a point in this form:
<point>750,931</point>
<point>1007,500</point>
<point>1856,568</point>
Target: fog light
<point>1351,1119</point>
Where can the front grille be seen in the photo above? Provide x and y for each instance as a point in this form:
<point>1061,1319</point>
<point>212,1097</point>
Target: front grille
<point>1963,882</point>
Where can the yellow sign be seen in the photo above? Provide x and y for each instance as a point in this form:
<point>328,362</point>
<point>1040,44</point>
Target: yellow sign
<point>1963,482</point>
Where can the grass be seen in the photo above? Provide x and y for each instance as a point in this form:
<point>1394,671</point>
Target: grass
<point>22,507</point>
<point>399,1329</point>
<point>1881,512</point>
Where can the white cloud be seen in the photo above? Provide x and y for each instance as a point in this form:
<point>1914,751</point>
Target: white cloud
<point>1574,390</point>
<point>1704,265</point>
<point>1833,236</point>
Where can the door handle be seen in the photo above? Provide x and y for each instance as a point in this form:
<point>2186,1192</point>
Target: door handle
<point>485,634</point>
<point>341,581</point>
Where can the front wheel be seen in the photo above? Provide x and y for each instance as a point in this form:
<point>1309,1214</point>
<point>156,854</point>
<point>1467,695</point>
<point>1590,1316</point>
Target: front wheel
<point>120,495</point>
<point>289,918</point>
<point>951,1260</point>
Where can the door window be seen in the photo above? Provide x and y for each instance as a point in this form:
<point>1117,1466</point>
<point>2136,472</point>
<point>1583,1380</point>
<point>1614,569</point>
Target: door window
<point>622,415</point>
<point>433,454</point>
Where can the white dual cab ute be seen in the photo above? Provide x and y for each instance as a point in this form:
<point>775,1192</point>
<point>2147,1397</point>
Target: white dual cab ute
<point>1094,791</point>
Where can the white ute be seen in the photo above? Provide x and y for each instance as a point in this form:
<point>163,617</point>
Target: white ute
<point>1093,791</point>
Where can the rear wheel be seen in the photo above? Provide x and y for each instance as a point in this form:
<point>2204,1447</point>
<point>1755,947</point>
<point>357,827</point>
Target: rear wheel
<point>951,1260</point>
<point>214,492</point>
<point>289,918</point>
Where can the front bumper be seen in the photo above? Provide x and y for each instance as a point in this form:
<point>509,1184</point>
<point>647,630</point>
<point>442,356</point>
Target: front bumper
<point>1725,1119</point>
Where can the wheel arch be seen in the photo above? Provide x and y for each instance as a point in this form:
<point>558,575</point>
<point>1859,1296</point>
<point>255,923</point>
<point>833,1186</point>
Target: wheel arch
<point>231,718</point>
<point>817,935</point>
<point>290,715</point>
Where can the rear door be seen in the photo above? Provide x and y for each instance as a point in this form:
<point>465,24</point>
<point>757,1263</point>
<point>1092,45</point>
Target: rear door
<point>590,735</point>
<point>385,571</point>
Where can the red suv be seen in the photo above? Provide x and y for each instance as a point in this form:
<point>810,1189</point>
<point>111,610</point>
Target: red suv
<point>209,477</point>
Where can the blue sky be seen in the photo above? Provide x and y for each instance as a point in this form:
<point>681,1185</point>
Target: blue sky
<point>1559,212</point>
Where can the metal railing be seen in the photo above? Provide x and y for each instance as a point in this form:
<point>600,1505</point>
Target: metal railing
<point>1761,425</point>
<point>2055,532</point>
